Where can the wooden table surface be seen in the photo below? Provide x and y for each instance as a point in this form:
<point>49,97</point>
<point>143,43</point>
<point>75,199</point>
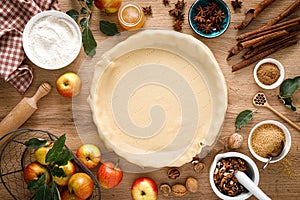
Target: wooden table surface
<point>279,181</point>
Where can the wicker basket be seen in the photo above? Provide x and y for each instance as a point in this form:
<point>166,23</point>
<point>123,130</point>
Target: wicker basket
<point>15,156</point>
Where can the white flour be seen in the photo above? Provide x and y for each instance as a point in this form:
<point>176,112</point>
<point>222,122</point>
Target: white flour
<point>53,41</point>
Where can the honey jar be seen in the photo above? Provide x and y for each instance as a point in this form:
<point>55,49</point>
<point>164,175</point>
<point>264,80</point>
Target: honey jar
<point>131,16</point>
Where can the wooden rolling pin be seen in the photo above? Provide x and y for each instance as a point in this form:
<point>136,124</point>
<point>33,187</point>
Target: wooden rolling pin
<point>22,111</point>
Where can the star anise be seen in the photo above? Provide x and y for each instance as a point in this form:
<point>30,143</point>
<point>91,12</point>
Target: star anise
<point>166,2</point>
<point>177,25</point>
<point>219,16</point>
<point>147,10</point>
<point>206,28</point>
<point>211,8</point>
<point>199,19</point>
<point>175,12</point>
<point>236,4</point>
<point>180,4</point>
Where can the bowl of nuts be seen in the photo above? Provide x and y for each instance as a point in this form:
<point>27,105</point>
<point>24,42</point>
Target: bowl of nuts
<point>209,18</point>
<point>222,178</point>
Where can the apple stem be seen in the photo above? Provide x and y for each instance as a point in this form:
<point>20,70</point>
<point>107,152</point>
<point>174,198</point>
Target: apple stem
<point>117,163</point>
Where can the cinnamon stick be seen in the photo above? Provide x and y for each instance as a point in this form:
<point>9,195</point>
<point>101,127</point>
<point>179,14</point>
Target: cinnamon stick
<point>262,39</point>
<point>288,11</point>
<point>263,54</point>
<point>252,52</point>
<point>253,13</point>
<point>276,27</point>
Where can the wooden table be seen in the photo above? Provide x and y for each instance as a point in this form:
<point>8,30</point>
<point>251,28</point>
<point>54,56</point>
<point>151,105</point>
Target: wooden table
<point>279,181</point>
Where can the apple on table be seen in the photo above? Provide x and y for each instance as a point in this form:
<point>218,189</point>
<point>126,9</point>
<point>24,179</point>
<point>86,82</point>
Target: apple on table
<point>108,6</point>
<point>68,84</point>
<point>89,155</point>
<point>109,175</point>
<point>144,188</point>
<point>81,184</point>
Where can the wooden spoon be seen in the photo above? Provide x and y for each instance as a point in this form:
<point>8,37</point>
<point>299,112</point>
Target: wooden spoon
<point>260,99</point>
<point>276,152</point>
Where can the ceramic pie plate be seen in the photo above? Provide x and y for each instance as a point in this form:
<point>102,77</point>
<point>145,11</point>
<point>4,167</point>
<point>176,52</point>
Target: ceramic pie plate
<point>157,99</point>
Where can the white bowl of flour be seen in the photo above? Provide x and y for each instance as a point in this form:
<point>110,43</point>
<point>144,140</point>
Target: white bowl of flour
<point>52,40</point>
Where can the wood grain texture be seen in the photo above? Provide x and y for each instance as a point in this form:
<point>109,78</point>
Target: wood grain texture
<point>279,181</point>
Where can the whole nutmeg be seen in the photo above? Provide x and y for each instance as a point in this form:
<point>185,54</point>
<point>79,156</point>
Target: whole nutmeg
<point>179,190</point>
<point>165,189</point>
<point>192,184</point>
<point>235,141</point>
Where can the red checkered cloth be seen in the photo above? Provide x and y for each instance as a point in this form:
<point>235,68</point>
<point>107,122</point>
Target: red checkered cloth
<point>14,14</point>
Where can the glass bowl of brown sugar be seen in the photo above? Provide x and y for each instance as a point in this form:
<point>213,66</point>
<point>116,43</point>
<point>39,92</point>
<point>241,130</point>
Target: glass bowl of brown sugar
<point>268,73</point>
<point>266,137</point>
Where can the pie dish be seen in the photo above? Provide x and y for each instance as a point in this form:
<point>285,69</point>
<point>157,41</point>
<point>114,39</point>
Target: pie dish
<point>158,98</point>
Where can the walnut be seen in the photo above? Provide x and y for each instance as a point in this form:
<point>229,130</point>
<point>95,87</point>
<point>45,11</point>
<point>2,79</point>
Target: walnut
<point>179,190</point>
<point>165,189</point>
<point>199,167</point>
<point>192,184</point>
<point>173,173</point>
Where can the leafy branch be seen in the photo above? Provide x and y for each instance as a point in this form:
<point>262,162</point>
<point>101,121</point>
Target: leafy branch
<point>85,14</point>
<point>287,89</point>
<point>57,156</point>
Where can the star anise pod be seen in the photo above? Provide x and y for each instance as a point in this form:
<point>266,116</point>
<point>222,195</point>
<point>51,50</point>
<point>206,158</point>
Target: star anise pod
<point>180,4</point>
<point>199,19</point>
<point>175,12</point>
<point>147,10</point>
<point>206,28</point>
<point>212,7</point>
<point>219,16</point>
<point>201,11</point>
<point>236,4</point>
<point>177,25</point>
<point>166,2</point>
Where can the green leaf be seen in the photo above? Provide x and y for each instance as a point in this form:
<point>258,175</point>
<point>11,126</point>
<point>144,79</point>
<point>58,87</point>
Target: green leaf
<point>88,41</point>
<point>83,10</point>
<point>108,28</point>
<point>35,143</point>
<point>55,192</point>
<point>288,102</point>
<point>43,193</point>
<point>73,13</point>
<point>289,86</point>
<point>243,119</point>
<point>35,184</point>
<point>58,172</point>
<point>84,23</point>
<point>89,3</point>
<point>64,158</point>
<point>56,150</point>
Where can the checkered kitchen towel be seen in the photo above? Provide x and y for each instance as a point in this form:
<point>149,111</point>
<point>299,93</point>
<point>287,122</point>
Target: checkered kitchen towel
<point>14,14</point>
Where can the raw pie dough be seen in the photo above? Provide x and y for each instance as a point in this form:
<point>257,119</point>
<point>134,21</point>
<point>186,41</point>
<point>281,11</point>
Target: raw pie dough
<point>152,102</point>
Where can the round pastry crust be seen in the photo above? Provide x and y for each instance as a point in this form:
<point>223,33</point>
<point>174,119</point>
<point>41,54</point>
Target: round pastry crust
<point>151,98</point>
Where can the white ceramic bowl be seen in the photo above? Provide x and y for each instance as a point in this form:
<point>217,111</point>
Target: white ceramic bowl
<point>287,144</point>
<point>252,169</point>
<point>52,39</point>
<point>280,79</point>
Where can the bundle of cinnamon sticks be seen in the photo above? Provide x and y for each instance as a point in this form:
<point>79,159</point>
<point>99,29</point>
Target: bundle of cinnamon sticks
<point>265,40</point>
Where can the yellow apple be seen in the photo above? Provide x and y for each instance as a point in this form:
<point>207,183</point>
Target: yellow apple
<point>40,153</point>
<point>69,170</point>
<point>81,185</point>
<point>34,170</point>
<point>68,84</point>
<point>108,6</point>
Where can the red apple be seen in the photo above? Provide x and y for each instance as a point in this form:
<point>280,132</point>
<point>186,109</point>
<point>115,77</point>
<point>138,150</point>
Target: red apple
<point>109,175</point>
<point>40,153</point>
<point>144,188</point>
<point>68,84</point>
<point>66,195</point>
<point>108,6</point>
<point>81,185</point>
<point>33,171</point>
<point>89,154</point>
<point>69,170</point>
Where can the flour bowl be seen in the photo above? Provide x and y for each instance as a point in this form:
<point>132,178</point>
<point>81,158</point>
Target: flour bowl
<point>52,40</point>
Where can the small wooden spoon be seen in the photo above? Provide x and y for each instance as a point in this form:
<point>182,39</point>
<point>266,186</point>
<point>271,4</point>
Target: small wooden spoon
<point>276,152</point>
<point>260,99</point>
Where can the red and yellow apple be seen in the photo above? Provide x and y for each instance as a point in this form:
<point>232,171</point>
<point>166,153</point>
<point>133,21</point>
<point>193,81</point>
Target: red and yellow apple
<point>69,170</point>
<point>34,170</point>
<point>81,185</point>
<point>89,154</point>
<point>144,188</point>
<point>66,195</point>
<point>40,153</point>
<point>108,6</point>
<point>109,175</point>
<point>68,84</point>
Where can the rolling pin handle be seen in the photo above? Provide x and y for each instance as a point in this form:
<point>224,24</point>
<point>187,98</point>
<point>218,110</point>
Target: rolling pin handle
<point>42,91</point>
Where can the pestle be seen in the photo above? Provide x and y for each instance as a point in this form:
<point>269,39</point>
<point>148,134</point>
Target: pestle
<point>250,185</point>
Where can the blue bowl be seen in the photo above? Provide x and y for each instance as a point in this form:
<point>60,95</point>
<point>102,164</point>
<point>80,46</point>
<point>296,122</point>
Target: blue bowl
<point>215,33</point>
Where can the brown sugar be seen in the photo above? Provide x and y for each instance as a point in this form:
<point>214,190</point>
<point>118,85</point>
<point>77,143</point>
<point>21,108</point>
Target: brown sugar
<point>267,139</point>
<point>268,73</point>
